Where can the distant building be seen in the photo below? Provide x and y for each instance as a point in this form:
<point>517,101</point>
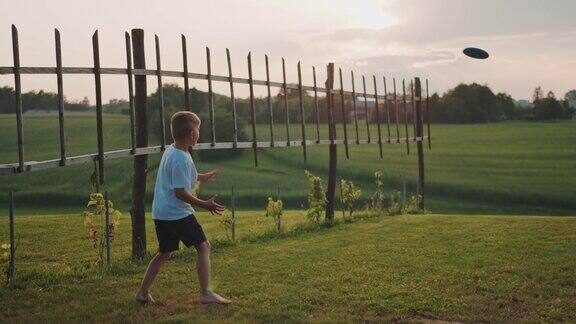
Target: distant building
<point>360,109</point>
<point>522,103</point>
<point>292,93</point>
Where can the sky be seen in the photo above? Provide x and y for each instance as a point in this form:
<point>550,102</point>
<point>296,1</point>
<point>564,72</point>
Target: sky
<point>531,42</point>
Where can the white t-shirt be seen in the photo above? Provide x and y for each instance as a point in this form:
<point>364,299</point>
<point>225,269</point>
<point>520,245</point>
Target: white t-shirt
<point>176,170</point>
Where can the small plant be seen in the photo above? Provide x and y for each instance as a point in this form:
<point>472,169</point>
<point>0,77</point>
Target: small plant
<point>274,210</point>
<point>413,205</point>
<point>316,198</point>
<point>378,200</point>
<point>395,207</point>
<point>95,214</point>
<point>5,258</point>
<point>349,196</point>
<point>226,223</point>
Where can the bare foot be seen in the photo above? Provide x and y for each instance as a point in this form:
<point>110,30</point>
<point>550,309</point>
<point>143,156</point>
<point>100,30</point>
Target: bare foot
<point>144,299</point>
<point>213,298</point>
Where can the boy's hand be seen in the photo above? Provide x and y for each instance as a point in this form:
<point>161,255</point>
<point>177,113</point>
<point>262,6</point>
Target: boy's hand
<point>209,176</point>
<point>213,206</point>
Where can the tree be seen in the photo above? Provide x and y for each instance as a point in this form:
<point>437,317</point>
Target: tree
<point>548,108</point>
<point>469,103</point>
<point>117,106</point>
<point>570,102</point>
<point>224,125</point>
<point>538,94</point>
<point>37,100</point>
<point>507,104</point>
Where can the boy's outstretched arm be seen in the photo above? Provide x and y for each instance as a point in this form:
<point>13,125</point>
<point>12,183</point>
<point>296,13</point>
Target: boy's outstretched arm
<point>208,176</point>
<point>210,204</point>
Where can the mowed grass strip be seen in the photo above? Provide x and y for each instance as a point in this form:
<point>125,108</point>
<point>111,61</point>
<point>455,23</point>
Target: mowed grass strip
<point>469,268</point>
<point>499,168</point>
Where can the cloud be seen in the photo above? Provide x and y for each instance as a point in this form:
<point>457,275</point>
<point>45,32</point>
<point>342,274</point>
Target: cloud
<point>531,42</point>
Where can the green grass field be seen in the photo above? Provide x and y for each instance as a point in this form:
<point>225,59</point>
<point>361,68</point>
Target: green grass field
<point>500,168</point>
<point>401,268</point>
<point>466,261</point>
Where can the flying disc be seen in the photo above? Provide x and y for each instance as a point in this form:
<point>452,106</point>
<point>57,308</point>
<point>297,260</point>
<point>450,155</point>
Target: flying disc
<point>476,53</point>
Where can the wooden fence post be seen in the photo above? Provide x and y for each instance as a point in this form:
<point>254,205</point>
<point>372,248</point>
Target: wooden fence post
<point>18,99</point>
<point>419,135</point>
<point>233,221</point>
<point>140,161</point>
<point>99,118</point>
<point>107,226</point>
<point>60,97</point>
<point>332,147</point>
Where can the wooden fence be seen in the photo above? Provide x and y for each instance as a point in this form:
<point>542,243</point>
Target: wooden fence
<point>135,49</point>
<point>415,107</point>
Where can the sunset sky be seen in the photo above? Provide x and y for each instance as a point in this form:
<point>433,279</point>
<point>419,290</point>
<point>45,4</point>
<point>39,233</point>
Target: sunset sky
<point>531,42</point>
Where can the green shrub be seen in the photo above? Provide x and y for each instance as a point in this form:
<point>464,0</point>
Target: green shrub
<point>94,215</point>
<point>413,205</point>
<point>394,206</point>
<point>5,258</point>
<point>316,198</point>
<point>349,196</point>
<point>378,199</point>
<point>274,210</point>
<point>226,223</point>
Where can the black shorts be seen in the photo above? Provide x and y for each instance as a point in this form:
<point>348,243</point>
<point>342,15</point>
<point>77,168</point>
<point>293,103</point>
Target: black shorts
<point>171,232</point>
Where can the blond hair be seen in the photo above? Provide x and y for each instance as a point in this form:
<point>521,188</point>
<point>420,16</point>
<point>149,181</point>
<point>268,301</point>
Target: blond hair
<point>182,123</point>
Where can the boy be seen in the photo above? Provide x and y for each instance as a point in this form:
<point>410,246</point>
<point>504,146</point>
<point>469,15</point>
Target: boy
<point>172,207</point>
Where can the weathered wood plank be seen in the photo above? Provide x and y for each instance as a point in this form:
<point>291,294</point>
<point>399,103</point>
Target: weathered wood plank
<point>413,107</point>
<point>343,109</point>
<point>160,94</point>
<point>386,101</point>
<point>141,160</point>
<point>354,106</point>
<point>405,114</point>
<point>332,147</point>
<point>18,98</point>
<point>60,97</point>
<point>285,89</point>
<point>176,74</point>
<point>366,108</point>
<point>99,120</point>
<point>185,74</point>
<point>377,116</point>
<point>252,111</point>
<point>428,116</point>
<point>210,98</point>
<point>232,99</point>
<point>420,133</point>
<point>316,110</point>
<point>302,116</point>
<point>396,112</point>
<point>269,102</point>
<point>130,88</point>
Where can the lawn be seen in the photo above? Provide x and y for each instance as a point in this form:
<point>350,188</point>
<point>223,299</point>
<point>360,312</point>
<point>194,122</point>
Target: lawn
<point>498,168</point>
<point>383,268</point>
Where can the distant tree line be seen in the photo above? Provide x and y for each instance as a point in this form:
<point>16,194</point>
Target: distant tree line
<point>475,103</point>
<point>466,103</point>
<point>37,101</point>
